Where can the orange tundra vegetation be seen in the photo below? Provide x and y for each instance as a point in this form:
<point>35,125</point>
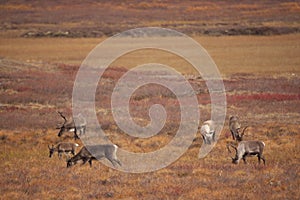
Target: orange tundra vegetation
<point>32,103</point>
<point>256,47</point>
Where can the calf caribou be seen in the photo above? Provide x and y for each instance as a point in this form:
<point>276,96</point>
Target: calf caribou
<point>248,148</point>
<point>63,147</point>
<point>99,151</point>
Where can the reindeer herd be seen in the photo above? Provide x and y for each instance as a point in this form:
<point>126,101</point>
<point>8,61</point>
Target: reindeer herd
<point>242,148</point>
<point>107,151</point>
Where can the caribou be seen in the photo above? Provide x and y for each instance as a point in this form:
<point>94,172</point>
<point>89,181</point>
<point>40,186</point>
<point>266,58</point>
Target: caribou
<point>63,147</point>
<point>107,151</point>
<point>247,148</point>
<point>235,127</point>
<point>207,131</point>
<point>71,126</point>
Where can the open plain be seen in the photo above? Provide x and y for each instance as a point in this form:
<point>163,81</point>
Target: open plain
<point>260,71</point>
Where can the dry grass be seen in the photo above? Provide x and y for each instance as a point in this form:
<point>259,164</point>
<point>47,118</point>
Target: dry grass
<point>240,54</point>
<point>261,76</point>
<point>53,50</point>
<point>29,173</point>
<point>35,98</point>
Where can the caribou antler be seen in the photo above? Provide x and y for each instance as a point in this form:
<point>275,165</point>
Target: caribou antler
<point>240,136</point>
<point>60,113</point>
<point>231,145</point>
<point>244,131</point>
<point>228,148</point>
<point>71,126</point>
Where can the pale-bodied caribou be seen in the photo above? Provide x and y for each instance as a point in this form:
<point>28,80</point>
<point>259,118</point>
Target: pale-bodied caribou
<point>96,152</point>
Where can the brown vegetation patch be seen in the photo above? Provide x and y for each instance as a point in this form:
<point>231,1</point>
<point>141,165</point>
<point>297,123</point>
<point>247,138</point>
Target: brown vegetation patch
<point>32,93</point>
<point>96,19</point>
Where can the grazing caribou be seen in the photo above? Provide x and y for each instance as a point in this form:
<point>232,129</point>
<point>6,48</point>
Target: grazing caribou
<point>234,127</point>
<point>248,148</point>
<point>107,151</point>
<point>207,131</point>
<point>63,147</point>
<point>70,126</point>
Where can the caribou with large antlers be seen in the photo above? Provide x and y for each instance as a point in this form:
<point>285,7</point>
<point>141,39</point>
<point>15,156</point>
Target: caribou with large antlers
<point>247,148</point>
<point>71,126</point>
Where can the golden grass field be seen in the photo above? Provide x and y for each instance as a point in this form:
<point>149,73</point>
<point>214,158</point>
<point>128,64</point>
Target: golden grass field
<point>244,62</point>
<point>256,47</point>
<point>254,56</point>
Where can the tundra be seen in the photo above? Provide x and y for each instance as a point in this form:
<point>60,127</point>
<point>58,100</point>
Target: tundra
<point>248,148</point>
<point>107,151</point>
<point>207,131</point>
<point>63,147</point>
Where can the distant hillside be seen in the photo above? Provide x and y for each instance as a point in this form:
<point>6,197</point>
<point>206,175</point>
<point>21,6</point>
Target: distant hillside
<point>98,18</point>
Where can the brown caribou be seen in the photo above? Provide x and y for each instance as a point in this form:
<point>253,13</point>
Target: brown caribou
<point>247,148</point>
<point>63,147</point>
<point>71,126</point>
